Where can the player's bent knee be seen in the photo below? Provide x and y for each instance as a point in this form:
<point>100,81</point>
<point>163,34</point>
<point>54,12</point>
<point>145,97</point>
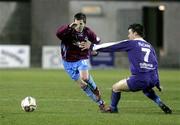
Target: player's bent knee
<point>84,78</point>
<point>115,88</point>
<point>120,86</point>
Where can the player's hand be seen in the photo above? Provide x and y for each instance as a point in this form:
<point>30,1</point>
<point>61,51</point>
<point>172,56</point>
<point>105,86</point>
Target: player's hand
<point>94,53</point>
<point>85,45</point>
<point>73,25</point>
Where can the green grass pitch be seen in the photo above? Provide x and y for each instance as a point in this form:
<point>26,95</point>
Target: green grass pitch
<point>61,102</point>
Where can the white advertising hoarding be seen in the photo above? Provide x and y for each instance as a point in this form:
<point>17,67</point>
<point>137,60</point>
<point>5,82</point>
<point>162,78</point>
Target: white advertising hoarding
<point>14,56</point>
<point>51,57</point>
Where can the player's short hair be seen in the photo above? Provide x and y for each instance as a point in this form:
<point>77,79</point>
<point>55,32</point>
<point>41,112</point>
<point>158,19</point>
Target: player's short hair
<point>137,28</point>
<point>80,16</point>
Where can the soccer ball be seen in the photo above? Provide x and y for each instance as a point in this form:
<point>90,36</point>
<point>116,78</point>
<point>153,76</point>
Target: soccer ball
<point>28,104</point>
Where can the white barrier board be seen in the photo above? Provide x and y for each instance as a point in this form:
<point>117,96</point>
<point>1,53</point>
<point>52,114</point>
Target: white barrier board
<point>51,57</point>
<point>14,56</point>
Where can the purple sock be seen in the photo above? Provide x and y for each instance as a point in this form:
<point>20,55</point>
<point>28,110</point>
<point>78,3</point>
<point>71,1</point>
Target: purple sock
<point>115,97</point>
<point>152,95</point>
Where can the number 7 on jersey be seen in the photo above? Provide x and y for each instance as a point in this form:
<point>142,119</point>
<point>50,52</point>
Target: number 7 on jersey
<point>147,52</point>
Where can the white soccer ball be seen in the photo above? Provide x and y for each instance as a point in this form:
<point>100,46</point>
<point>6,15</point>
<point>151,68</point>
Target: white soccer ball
<point>28,104</point>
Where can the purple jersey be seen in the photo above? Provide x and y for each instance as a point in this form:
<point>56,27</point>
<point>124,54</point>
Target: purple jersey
<point>70,40</point>
<point>141,54</point>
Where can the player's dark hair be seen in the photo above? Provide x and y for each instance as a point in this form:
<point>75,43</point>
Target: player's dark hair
<point>80,16</point>
<point>137,28</point>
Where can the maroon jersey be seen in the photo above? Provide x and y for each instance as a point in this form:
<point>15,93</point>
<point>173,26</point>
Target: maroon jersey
<point>70,40</point>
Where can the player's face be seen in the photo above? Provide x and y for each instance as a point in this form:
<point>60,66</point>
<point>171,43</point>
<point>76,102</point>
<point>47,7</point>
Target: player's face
<point>80,25</point>
<point>131,34</point>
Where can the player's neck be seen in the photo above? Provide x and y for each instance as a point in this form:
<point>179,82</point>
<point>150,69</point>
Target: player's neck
<point>138,38</point>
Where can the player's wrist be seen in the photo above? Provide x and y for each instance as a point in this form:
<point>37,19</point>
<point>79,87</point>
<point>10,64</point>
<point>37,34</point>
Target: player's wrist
<point>94,53</point>
<point>73,25</point>
<point>69,27</point>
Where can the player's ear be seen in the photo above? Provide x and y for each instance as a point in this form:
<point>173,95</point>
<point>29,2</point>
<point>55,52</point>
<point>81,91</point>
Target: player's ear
<point>135,33</point>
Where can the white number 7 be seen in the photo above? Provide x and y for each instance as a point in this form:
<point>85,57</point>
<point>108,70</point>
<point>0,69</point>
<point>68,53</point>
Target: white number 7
<point>147,52</point>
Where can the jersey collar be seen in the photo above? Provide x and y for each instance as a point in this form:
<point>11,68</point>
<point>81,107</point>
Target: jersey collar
<point>139,39</point>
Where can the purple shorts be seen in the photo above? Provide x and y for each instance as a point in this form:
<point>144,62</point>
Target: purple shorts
<point>143,81</point>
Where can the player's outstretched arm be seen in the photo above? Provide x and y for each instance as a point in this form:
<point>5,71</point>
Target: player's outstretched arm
<point>105,47</point>
<point>111,46</point>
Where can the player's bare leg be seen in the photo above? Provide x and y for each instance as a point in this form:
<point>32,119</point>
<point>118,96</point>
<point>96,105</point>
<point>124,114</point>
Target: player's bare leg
<point>88,85</point>
<point>86,89</point>
<point>84,75</point>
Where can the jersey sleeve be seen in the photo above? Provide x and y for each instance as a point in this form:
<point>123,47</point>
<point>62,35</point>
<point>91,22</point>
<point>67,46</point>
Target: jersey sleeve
<point>63,32</point>
<point>92,37</point>
<point>113,46</point>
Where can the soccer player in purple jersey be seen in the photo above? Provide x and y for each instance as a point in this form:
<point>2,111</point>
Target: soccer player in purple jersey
<point>143,66</point>
<point>75,60</point>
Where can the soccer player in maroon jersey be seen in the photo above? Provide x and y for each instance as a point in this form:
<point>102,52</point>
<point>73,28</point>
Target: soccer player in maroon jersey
<point>75,60</point>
